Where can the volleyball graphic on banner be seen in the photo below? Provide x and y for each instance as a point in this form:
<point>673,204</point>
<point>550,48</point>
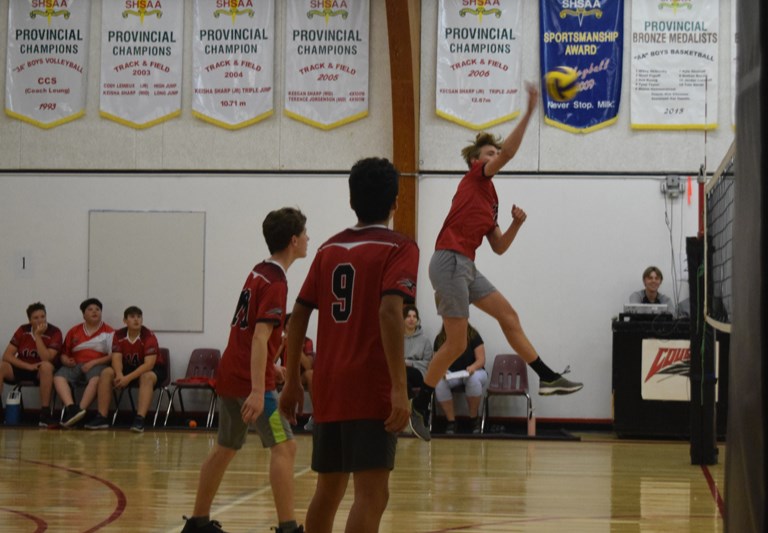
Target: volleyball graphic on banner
<point>562,83</point>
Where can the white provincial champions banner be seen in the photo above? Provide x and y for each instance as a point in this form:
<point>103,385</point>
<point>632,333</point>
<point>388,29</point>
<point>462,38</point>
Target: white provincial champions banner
<point>233,61</point>
<point>674,60</point>
<point>326,61</point>
<point>479,52</point>
<point>47,61</point>
<point>141,57</point>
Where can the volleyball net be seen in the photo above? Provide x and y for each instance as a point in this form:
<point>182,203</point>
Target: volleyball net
<point>719,210</point>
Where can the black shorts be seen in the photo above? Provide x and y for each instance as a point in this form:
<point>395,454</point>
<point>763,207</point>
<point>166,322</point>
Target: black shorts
<point>157,369</point>
<point>20,374</point>
<point>352,446</point>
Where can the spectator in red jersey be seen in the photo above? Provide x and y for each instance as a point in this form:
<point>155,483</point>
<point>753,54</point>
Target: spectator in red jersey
<point>246,377</point>
<point>357,282</point>
<point>135,353</point>
<point>32,356</point>
<point>87,352</point>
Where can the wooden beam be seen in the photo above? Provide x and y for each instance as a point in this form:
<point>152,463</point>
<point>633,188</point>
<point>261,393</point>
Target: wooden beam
<point>403,28</point>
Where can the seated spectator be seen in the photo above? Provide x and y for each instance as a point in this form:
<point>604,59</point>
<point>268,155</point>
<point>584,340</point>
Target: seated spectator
<point>87,352</point>
<point>135,353</point>
<point>473,361</point>
<point>307,362</point>
<point>652,278</point>
<point>31,356</point>
<point>418,349</point>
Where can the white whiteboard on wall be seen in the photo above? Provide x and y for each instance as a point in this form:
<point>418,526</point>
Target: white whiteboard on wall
<point>152,259</point>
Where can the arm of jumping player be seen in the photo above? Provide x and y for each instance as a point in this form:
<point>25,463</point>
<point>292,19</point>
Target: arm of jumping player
<point>293,392</point>
<point>392,333</point>
<point>500,242</point>
<point>511,144</point>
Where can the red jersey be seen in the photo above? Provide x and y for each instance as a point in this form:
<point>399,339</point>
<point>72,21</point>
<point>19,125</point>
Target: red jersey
<point>263,299</point>
<point>26,348</point>
<point>134,351</point>
<point>84,347</point>
<point>474,213</point>
<point>347,279</point>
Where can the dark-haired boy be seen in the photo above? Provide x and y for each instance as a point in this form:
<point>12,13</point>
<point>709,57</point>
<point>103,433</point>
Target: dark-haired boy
<point>31,356</point>
<point>245,381</point>
<point>455,278</point>
<point>357,282</point>
<point>135,353</point>
<point>87,350</point>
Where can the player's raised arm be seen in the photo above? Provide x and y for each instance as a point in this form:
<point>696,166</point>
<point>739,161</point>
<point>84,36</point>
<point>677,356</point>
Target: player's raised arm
<point>511,144</point>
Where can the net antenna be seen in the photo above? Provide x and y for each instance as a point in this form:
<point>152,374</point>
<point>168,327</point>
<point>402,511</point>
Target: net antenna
<point>719,196</point>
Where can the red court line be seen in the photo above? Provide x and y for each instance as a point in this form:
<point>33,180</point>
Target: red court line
<point>42,525</point>
<point>121,499</point>
<point>714,490</point>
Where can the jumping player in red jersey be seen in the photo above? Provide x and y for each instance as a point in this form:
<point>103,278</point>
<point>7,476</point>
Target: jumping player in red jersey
<point>357,282</point>
<point>455,278</point>
<point>135,356</point>
<point>31,355</point>
<point>245,381</point>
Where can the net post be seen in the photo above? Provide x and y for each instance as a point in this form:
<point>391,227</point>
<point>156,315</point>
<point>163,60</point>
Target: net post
<point>703,448</point>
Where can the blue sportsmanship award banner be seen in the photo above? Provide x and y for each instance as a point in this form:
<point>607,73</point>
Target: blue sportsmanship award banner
<point>581,62</point>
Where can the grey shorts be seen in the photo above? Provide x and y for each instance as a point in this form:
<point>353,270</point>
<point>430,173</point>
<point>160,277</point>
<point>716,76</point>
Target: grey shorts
<point>75,374</point>
<point>457,283</point>
<point>271,426</point>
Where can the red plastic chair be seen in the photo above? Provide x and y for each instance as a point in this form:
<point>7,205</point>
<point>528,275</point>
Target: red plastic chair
<point>163,361</point>
<point>201,375</point>
<point>509,377</point>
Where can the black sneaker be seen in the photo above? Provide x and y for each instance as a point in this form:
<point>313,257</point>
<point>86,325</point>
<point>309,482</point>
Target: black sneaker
<point>419,423</point>
<point>98,422</point>
<point>561,385</point>
<point>450,428</point>
<point>300,529</point>
<point>138,424</point>
<point>477,425</point>
<point>46,420</point>
<point>212,526</point>
<point>72,415</point>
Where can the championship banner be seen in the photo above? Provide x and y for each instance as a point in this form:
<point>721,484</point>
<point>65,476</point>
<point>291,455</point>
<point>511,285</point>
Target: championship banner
<point>233,61</point>
<point>141,56</point>
<point>326,61</point>
<point>47,60</point>
<point>479,59</point>
<point>665,369</point>
<point>674,64</point>
<point>581,62</point>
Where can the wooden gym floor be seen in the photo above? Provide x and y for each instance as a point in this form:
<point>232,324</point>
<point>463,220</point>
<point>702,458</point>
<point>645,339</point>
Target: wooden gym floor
<point>118,481</point>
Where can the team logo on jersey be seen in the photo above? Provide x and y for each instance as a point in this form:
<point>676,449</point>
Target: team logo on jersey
<point>407,283</point>
<point>275,311</point>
